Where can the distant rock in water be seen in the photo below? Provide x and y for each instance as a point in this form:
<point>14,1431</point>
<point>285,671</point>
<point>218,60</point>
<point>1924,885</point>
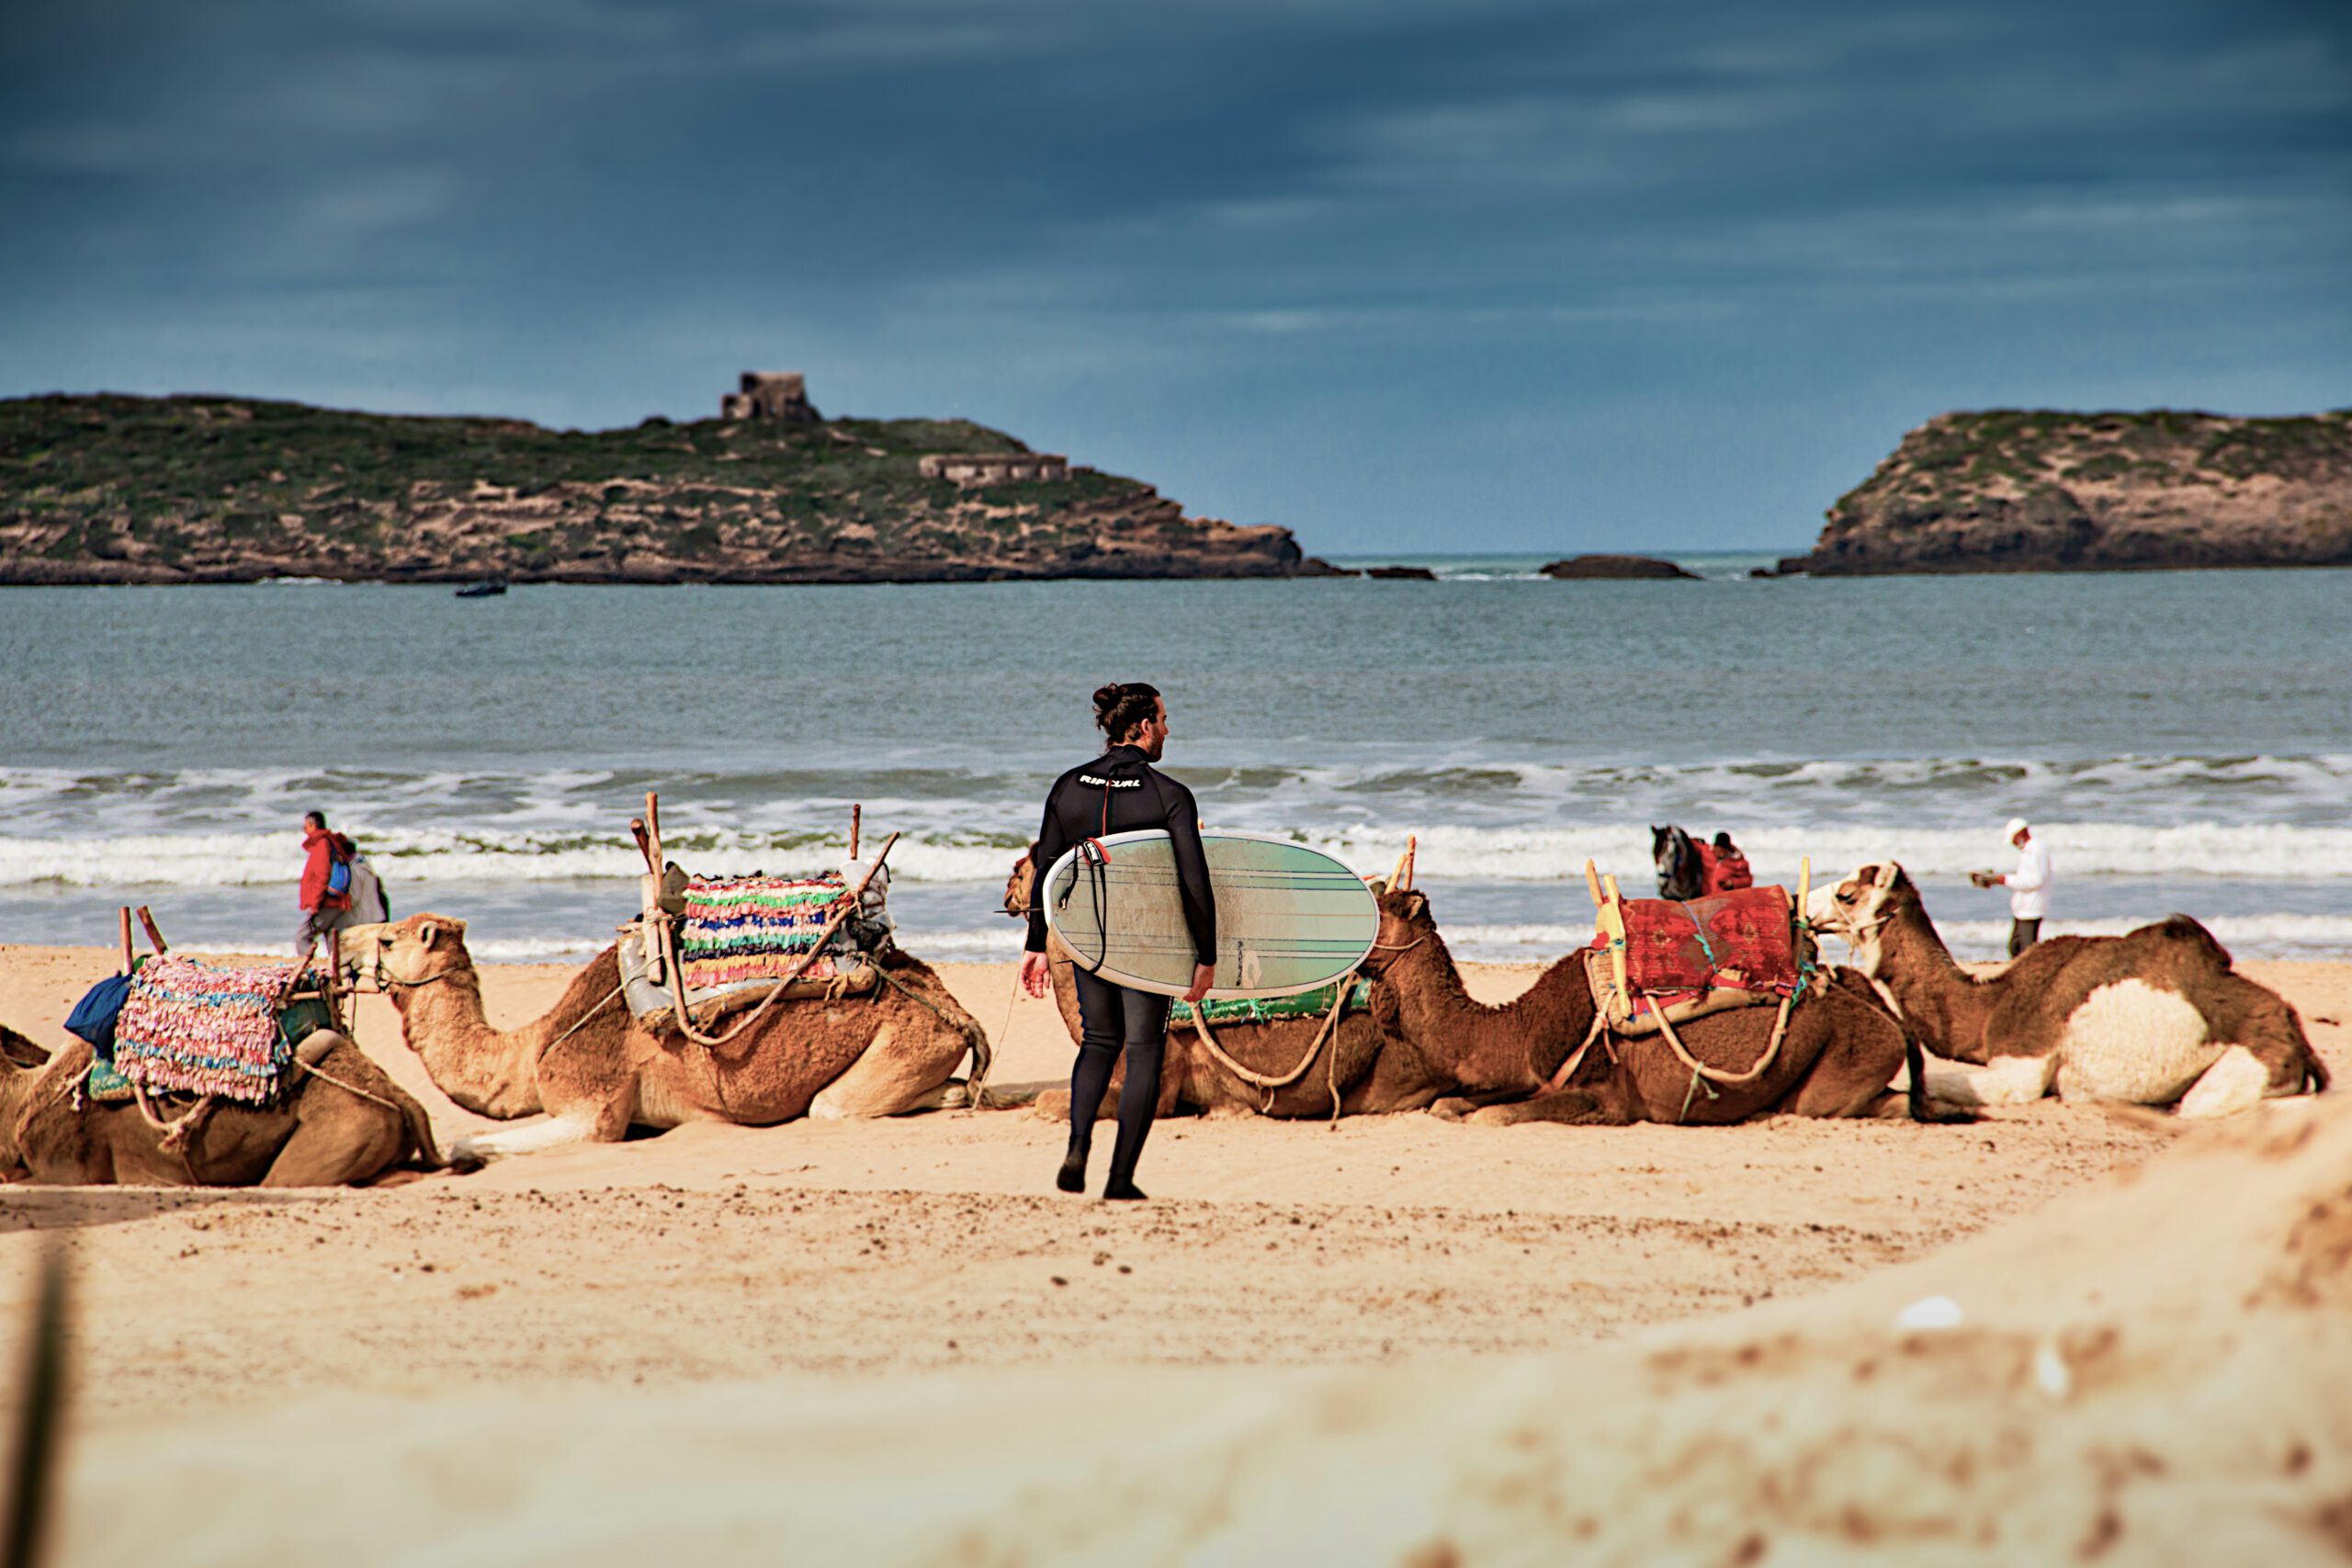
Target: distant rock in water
<point>105,489</point>
<point>2037,491</point>
<point>1402,574</point>
<point>1615,567</point>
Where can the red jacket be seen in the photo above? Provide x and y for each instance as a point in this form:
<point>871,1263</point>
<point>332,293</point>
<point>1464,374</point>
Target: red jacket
<point>323,850</point>
<point>1725,871</point>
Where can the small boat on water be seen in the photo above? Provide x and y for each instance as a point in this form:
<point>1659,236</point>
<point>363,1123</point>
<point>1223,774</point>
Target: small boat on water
<point>488,590</point>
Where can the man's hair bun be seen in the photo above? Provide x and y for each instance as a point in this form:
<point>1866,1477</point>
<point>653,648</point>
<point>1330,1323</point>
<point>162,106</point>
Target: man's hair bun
<point>1119,708</point>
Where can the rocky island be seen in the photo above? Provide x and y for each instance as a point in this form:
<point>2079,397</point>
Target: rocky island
<point>106,489</point>
<point>1615,568</point>
<point>2038,491</point>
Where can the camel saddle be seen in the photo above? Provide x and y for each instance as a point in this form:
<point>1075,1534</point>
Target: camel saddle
<point>1269,1010</point>
<point>214,1029</point>
<point>832,975</point>
<point>1688,958</point>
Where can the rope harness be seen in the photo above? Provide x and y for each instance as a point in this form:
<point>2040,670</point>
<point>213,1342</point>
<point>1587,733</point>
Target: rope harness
<point>1270,1084</point>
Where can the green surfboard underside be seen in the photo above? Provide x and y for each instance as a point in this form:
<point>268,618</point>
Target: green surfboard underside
<point>1289,918</point>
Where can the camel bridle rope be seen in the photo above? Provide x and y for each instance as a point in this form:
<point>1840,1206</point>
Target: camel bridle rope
<point>1401,880</point>
<point>1268,1083</point>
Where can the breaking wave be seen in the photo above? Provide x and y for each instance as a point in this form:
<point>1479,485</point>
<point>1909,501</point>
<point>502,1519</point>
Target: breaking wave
<point>2269,852</point>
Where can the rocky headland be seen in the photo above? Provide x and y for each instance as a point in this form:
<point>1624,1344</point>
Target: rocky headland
<point>105,489</point>
<point>2037,491</point>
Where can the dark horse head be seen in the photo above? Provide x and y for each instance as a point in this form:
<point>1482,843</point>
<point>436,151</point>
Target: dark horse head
<point>1681,875</point>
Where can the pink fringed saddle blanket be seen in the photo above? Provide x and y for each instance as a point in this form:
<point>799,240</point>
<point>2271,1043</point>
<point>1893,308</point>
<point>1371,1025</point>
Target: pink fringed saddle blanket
<point>205,1028</point>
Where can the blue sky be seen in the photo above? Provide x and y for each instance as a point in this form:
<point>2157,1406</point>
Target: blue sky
<point>1403,277</point>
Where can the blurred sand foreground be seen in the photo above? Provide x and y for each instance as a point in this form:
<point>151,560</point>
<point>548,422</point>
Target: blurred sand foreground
<point>1398,1341</point>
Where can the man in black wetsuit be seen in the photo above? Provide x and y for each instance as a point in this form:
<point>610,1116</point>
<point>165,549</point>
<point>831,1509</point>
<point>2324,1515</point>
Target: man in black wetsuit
<point>1119,792</point>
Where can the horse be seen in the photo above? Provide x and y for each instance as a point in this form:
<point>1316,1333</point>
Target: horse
<point>1680,871</point>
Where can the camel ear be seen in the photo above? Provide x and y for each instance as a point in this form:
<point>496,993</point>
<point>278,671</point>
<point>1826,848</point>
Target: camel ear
<point>1886,874</point>
<point>1415,905</point>
<point>428,933</point>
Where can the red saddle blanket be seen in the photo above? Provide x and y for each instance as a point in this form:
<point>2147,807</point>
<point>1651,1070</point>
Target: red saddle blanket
<point>1740,940</point>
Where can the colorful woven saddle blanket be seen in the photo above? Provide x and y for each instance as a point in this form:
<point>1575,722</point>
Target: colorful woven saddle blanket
<point>206,1028</point>
<point>832,975</point>
<point>753,928</point>
<point>1251,1010</point>
<point>1743,940</point>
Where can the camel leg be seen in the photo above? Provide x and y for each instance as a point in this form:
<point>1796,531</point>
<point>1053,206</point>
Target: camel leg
<point>2005,1080</point>
<point>891,1076</point>
<point>1850,1075</point>
<point>337,1150</point>
<point>1575,1107</point>
<point>2233,1084</point>
<point>555,1133</point>
<point>1460,1106</point>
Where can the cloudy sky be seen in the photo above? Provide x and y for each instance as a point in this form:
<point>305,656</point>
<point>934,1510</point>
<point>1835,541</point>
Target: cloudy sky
<point>1406,277</point>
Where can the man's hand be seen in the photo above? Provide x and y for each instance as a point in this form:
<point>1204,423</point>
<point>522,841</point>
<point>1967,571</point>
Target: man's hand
<point>1203,974</point>
<point>1036,974</point>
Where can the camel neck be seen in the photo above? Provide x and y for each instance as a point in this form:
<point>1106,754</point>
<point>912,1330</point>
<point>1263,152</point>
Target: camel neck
<point>1944,1002</point>
<point>1489,1046</point>
<point>15,1085</point>
<point>487,1071</point>
<point>1910,947</point>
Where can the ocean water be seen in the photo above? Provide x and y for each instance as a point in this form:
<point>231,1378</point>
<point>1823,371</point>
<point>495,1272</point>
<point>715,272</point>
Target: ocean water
<point>2183,740</point>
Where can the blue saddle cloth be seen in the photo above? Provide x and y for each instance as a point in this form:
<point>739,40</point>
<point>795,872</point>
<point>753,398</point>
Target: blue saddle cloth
<point>94,1016</point>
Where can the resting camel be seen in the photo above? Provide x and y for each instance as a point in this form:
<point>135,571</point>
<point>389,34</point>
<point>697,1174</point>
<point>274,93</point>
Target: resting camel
<point>1425,1044</point>
<point>597,1072</point>
<point>1841,1051</point>
<point>2149,1017</point>
<point>346,1122</point>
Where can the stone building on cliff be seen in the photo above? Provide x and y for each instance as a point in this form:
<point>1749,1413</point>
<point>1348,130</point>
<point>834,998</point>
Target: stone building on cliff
<point>999,468</point>
<point>771,394</point>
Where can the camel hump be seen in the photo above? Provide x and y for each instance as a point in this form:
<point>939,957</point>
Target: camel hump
<point>2177,927</point>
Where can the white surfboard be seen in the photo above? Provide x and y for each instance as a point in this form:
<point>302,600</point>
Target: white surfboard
<point>1288,918</point>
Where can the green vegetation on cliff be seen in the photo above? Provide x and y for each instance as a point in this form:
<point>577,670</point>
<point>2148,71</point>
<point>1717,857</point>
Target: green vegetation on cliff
<point>121,489</point>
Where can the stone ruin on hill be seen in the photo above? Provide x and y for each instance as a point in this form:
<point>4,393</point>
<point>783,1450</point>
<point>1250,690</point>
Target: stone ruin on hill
<point>771,394</point>
<point>998,467</point>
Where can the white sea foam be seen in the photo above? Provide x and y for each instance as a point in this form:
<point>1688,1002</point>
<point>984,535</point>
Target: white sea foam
<point>2267,852</point>
<point>405,860</point>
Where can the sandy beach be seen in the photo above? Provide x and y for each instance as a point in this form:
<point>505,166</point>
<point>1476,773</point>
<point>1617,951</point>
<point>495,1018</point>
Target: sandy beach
<point>874,1258</point>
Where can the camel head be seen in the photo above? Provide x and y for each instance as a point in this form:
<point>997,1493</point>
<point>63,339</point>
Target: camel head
<point>1858,907</point>
<point>404,955</point>
<point>19,1050</point>
<point>16,1082</point>
<point>1017,885</point>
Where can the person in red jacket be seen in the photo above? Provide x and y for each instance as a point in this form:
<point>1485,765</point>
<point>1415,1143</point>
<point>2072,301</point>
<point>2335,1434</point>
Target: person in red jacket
<point>326,906</point>
<point>1727,867</point>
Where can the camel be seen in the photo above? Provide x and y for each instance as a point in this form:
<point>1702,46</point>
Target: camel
<point>1841,1051</point>
<point>1425,1044</point>
<point>344,1123</point>
<point>2153,1017</point>
<point>597,1072</point>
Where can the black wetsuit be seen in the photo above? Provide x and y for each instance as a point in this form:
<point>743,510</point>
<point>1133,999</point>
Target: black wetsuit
<point>1120,792</point>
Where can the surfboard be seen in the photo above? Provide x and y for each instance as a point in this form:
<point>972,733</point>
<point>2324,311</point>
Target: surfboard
<point>1288,918</point>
